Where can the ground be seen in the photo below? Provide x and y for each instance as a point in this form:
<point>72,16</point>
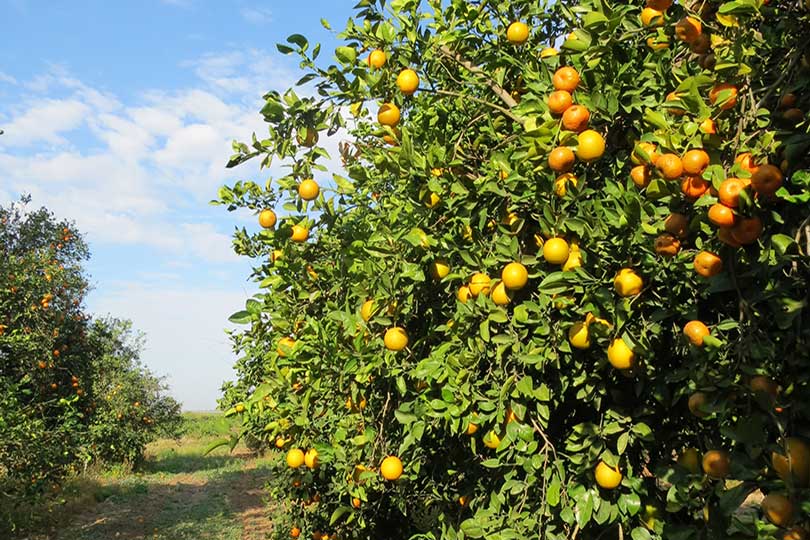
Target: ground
<point>179,494</point>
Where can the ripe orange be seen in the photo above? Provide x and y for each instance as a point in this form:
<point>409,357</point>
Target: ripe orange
<point>765,385</point>
<point>690,460</point>
<point>408,81</point>
<point>658,43</point>
<point>559,101</point>
<point>778,509</point>
<point>548,52</point>
<point>677,111</point>
<point>788,101</point>
<point>697,404</point>
<point>660,5</point>
<point>395,339</point>
<point>708,264</point>
<point>607,477</point>
<point>667,245</point>
<point>627,282</point>
<point>479,284</point>
<point>722,216</point>
<point>725,236</point>
<point>556,250</point>
<point>356,502</point>
<point>708,126</point>
<point>747,230</point>
<point>694,186</point>
<point>695,162</point>
<point>729,192</point>
<point>463,294</point>
<point>391,468</point>
<point>670,166</point>
<point>561,159</point>
<point>388,115</point>
<point>500,294</point>
<point>267,219</point>
<point>439,269</point>
<point>517,33</point>
<point>576,118</point>
<point>695,331</point>
<point>688,29</point>
<point>796,533</point>
<point>376,59</point>
<point>514,276</point>
<point>591,145</point>
<point>767,179</point>
<point>640,176</point>
<point>677,224</point>
<point>308,189</point>
<point>651,17</point>
<point>285,345</point>
<point>579,335</point>
<point>561,183</point>
<point>295,458</point>
<point>792,462</point>
<point>716,463</point>
<point>620,355</point>
<point>701,45</point>
<point>649,149</point>
<point>730,101</point>
<point>565,78</point>
<point>793,116</point>
<point>299,233</point>
<point>295,532</point>
<point>746,162</point>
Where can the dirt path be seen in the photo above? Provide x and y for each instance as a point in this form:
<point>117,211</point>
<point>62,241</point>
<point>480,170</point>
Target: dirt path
<point>182,495</point>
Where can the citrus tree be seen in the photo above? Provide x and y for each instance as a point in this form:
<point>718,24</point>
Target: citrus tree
<point>557,290</point>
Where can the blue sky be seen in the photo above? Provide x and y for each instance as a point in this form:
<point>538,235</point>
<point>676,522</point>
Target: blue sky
<point>119,115</point>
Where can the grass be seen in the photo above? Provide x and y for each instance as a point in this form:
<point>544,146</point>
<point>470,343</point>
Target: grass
<point>178,494</point>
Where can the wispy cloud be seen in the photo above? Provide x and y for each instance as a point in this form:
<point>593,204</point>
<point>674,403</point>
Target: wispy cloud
<point>256,15</point>
<point>7,79</point>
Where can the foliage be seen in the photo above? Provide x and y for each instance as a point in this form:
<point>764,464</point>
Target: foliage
<point>499,420</point>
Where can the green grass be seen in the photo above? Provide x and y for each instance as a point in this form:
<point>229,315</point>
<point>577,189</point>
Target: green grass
<point>180,493</point>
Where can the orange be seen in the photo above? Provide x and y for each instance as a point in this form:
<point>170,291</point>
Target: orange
<point>479,284</point>
<point>697,404</point>
<point>591,145</point>
<point>492,440</point>
<point>299,233</point>
<point>376,59</point>
<point>722,216</point>
<point>730,101</point>
<point>708,126</point>
<point>651,17</point>
<point>640,176</point>
<point>690,460</point>
<point>788,101</point>
<point>463,294</point>
<point>559,101</point>
<point>778,509</point>
<point>694,186</point>
<point>667,245</point>
<point>575,118</point>
<point>796,533</point>
<point>716,463</point>
<point>579,335</point>
<point>388,115</point>
<point>548,52</point>
<point>295,532</point>
<point>391,468</point>
<point>792,462</point>
<point>561,183</point>
<point>295,458</point>
<point>408,81</point>
<point>439,269</point>
<point>627,282</point>
<point>701,45</point>
<point>695,162</point>
<point>391,140</point>
<point>765,385</point>
<point>267,219</point>
<point>395,339</point>
<point>500,294</point>
<point>767,179</point>
<point>677,111</point>
<point>725,236</point>
<point>708,264</point>
<point>746,162</point>
<point>747,230</point>
<point>670,166</point>
<point>607,477</point>
<point>677,224</point>
<point>793,116</point>
<point>729,192</point>
<point>556,250</point>
<point>620,355</point>
<point>308,189</point>
<point>649,149</point>
<point>688,29</point>
<point>356,502</point>
<point>285,345</point>
<point>311,459</point>
<point>514,276</point>
<point>660,5</point>
<point>517,33</point>
<point>657,43</point>
<point>561,159</point>
<point>565,78</point>
<point>695,331</point>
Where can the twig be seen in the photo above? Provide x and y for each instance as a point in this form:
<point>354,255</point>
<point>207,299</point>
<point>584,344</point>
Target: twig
<point>772,88</point>
<point>472,68</point>
<point>505,111</point>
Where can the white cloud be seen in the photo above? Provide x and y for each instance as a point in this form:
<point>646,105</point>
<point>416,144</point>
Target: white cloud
<point>257,15</point>
<point>6,78</point>
<point>45,121</point>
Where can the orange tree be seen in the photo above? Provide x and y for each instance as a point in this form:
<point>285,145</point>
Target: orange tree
<point>559,288</point>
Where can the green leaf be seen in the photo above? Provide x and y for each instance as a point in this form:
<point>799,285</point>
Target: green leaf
<point>240,317</point>
<point>346,55</point>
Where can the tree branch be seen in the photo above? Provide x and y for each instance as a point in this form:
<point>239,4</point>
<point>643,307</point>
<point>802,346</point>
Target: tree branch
<point>472,68</point>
